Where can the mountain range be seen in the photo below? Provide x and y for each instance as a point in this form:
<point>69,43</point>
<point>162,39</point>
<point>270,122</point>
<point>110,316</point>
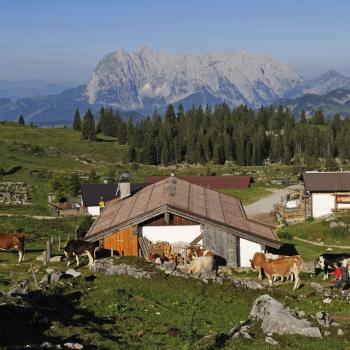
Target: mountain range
<point>146,80</point>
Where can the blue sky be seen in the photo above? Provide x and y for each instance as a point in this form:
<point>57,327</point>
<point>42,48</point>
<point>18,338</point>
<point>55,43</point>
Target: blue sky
<point>63,40</point>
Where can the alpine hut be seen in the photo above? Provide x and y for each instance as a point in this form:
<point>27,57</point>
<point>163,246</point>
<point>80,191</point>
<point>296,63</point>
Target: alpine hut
<point>329,192</point>
<point>174,210</point>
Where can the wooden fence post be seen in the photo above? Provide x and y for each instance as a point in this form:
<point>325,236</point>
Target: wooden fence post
<point>34,276</point>
<point>59,243</point>
<point>48,253</point>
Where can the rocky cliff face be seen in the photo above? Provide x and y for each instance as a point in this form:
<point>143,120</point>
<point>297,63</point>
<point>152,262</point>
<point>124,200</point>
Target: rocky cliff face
<point>148,79</point>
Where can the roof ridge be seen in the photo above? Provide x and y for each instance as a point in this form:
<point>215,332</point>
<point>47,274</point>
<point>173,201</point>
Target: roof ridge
<point>222,208</point>
<point>149,198</point>
<point>132,207</point>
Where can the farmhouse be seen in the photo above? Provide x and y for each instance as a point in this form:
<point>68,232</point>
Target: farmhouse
<point>215,182</point>
<point>92,194</point>
<point>329,192</point>
<point>183,214</point>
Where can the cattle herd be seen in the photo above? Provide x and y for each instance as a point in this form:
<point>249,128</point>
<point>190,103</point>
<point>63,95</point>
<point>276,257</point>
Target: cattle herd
<point>199,260</point>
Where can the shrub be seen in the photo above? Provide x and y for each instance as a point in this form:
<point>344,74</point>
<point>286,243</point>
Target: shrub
<point>285,234</point>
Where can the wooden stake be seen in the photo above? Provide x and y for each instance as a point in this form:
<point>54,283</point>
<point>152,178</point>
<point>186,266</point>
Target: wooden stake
<point>59,243</point>
<point>112,253</point>
<point>34,276</point>
<point>48,253</point>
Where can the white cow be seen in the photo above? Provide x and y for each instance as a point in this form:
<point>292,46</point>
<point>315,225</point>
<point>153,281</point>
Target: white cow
<point>202,264</point>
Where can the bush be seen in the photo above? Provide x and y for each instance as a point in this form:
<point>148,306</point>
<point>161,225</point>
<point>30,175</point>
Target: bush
<point>285,234</point>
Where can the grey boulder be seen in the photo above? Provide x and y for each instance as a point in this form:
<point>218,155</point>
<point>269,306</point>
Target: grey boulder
<point>323,319</point>
<point>19,289</point>
<point>278,320</point>
<point>73,273</point>
<point>317,286</point>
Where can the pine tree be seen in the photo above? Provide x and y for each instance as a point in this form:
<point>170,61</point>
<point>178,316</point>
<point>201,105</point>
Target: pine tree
<point>88,126</point>
<point>21,120</point>
<point>93,177</point>
<point>318,118</point>
<point>74,184</point>
<point>303,117</point>
<point>77,121</point>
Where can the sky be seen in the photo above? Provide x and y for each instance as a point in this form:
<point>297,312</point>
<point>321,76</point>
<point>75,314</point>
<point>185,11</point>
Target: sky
<point>63,40</point>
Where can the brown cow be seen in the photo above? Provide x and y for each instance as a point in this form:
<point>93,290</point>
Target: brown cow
<point>14,240</point>
<point>281,267</point>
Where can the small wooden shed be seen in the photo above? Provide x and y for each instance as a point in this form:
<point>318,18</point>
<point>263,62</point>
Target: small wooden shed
<point>175,210</point>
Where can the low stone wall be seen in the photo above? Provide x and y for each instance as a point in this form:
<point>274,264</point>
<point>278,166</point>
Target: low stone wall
<point>13,193</point>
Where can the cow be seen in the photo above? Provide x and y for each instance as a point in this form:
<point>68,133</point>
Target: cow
<point>202,264</point>
<point>270,256</point>
<point>76,248</point>
<point>278,267</point>
<point>326,261</point>
<point>14,240</point>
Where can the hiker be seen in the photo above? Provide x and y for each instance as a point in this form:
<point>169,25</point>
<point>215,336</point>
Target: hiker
<point>338,275</point>
<point>345,273</point>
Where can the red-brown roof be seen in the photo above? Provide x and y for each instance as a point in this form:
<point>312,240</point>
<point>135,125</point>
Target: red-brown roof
<point>174,194</point>
<point>215,182</point>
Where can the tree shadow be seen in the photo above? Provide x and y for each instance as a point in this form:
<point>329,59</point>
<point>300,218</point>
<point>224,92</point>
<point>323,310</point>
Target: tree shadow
<point>26,323</point>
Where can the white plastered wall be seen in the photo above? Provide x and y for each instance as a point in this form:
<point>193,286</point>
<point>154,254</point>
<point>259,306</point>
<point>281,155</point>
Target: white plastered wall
<point>322,204</point>
<point>94,211</point>
<point>247,251</point>
<point>171,234</point>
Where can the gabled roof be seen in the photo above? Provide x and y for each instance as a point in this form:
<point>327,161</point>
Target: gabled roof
<point>327,181</point>
<point>182,198</point>
<point>215,182</point>
<point>92,193</point>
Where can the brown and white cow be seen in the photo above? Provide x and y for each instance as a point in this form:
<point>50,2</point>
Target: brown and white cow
<point>281,267</point>
<point>14,240</point>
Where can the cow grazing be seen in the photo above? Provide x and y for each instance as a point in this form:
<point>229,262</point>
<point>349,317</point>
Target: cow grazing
<point>259,259</point>
<point>15,240</point>
<point>326,261</point>
<point>76,248</point>
<point>202,264</point>
<point>281,267</point>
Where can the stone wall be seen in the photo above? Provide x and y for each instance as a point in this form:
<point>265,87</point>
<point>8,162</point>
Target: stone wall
<point>13,193</point>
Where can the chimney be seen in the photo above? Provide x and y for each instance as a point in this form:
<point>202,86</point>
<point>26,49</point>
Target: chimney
<point>125,190</point>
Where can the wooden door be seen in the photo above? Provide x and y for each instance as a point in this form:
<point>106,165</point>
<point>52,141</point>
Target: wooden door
<point>124,242</point>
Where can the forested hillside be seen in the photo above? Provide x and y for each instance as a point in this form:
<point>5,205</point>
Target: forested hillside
<point>242,135</point>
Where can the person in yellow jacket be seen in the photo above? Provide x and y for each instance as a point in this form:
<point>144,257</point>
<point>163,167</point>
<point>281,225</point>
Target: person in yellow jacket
<point>101,203</point>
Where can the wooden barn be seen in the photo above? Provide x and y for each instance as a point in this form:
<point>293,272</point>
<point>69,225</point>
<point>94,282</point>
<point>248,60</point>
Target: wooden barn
<point>181,213</point>
<point>329,192</point>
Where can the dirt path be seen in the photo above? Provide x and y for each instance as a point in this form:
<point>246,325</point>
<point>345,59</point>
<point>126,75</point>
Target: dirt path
<point>31,216</point>
<point>322,244</point>
<point>261,209</point>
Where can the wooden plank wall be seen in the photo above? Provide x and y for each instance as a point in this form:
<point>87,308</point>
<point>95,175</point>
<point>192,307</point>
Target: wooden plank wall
<point>173,220</point>
<point>222,243</point>
<point>123,242</point>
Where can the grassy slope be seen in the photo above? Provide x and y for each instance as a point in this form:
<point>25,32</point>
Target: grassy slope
<point>248,196</point>
<point>41,153</point>
<point>320,231</point>
<point>119,312</point>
